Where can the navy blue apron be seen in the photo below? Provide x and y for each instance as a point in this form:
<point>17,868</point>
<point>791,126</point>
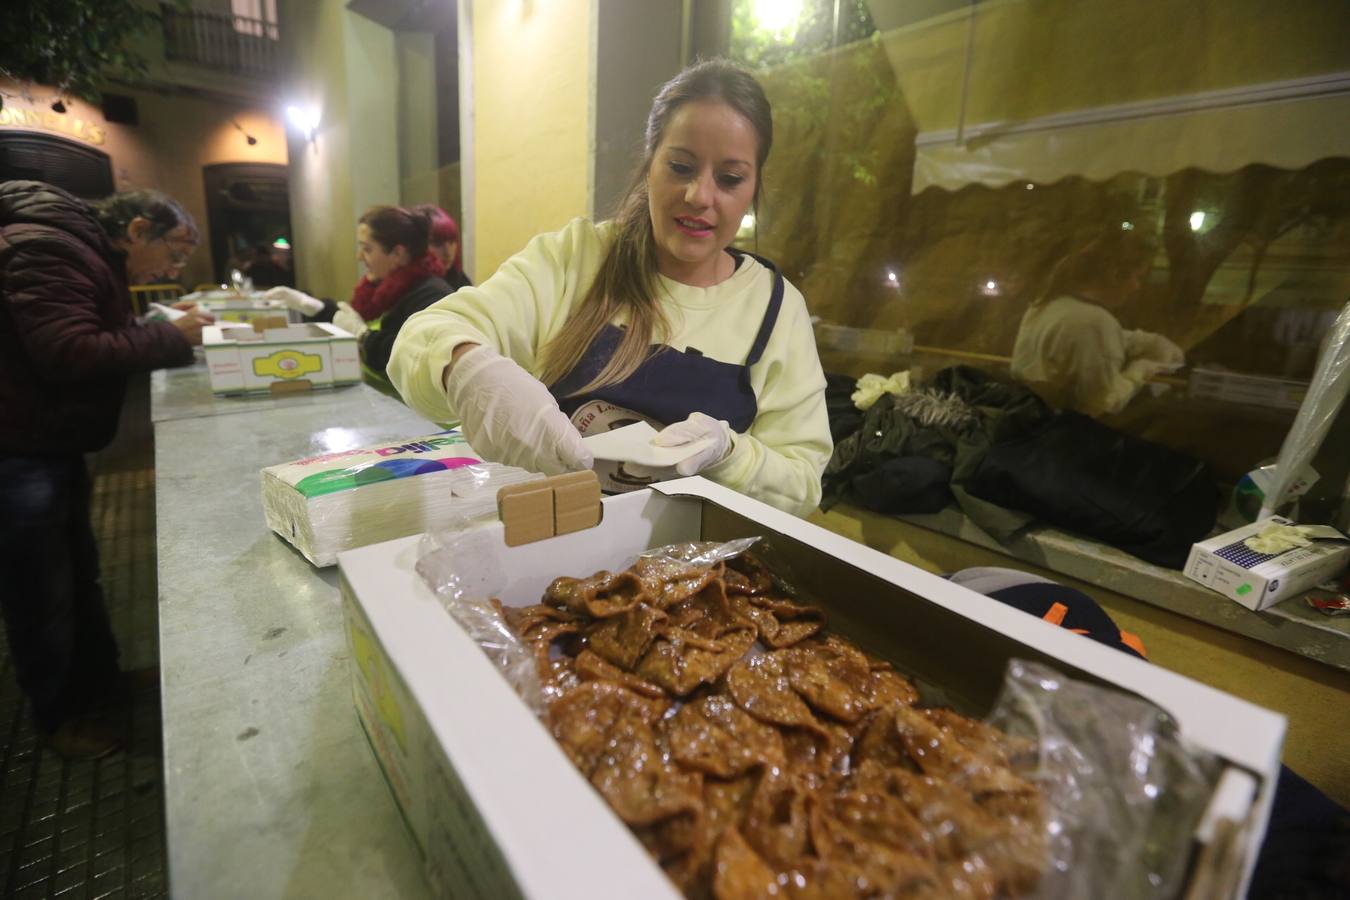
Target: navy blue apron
<point>668,386</point>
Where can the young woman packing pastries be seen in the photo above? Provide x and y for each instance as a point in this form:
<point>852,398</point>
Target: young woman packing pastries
<point>650,317</point>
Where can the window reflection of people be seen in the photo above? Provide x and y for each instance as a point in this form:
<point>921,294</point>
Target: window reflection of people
<point>648,316</point>
<point>1070,347</point>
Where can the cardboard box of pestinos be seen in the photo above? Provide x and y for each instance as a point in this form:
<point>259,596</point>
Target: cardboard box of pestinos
<point>498,810</point>
<point>244,360</point>
<point>229,307</point>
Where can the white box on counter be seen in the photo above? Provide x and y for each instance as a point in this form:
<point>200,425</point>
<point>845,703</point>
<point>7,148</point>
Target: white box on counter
<point>1260,580</point>
<point>242,361</point>
<point>229,307</point>
<point>498,810</point>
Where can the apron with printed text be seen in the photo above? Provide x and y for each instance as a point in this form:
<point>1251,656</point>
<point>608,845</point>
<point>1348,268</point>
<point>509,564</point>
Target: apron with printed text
<point>668,386</point>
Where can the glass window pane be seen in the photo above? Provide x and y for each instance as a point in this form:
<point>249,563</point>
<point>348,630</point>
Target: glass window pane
<point>1140,209</point>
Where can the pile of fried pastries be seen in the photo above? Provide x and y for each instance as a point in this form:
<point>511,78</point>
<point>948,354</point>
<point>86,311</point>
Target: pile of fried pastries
<point>755,756</point>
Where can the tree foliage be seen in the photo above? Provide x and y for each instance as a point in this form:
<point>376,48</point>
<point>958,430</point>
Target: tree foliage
<point>75,45</point>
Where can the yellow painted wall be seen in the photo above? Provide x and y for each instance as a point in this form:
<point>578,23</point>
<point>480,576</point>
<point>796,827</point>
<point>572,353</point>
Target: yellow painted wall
<point>346,65</point>
<point>176,137</point>
<point>532,122</point>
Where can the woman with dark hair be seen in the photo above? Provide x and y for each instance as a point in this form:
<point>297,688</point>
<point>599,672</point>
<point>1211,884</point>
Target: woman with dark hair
<point>444,244</point>
<point>1071,349</point>
<point>652,316</point>
<point>401,277</point>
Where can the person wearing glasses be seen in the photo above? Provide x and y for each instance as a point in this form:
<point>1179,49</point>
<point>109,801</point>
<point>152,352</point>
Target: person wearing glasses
<point>68,342</point>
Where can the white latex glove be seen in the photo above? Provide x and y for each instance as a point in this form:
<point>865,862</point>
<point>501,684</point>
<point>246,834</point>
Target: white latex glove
<point>1141,370</point>
<point>349,320</point>
<point>695,428</point>
<point>1159,349</point>
<point>510,417</point>
<point>297,300</point>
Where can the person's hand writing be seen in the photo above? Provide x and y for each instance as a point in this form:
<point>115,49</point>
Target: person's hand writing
<point>190,326</point>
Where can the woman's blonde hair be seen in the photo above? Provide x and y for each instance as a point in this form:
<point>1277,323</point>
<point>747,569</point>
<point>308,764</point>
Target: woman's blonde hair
<point>627,279</point>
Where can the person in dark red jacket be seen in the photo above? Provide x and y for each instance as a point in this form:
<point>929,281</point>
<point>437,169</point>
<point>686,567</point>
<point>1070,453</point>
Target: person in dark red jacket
<point>68,341</point>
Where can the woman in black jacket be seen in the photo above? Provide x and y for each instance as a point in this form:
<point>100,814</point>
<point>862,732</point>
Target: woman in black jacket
<point>403,276</point>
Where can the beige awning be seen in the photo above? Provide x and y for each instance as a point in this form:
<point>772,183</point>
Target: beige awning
<point>1289,125</point>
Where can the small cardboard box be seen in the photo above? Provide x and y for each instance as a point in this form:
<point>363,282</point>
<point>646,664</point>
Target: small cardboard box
<point>1260,580</point>
<point>242,361</point>
<point>228,308</point>
<point>498,810</point>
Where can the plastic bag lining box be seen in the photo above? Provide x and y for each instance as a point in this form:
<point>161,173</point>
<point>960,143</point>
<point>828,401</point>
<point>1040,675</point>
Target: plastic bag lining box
<point>1261,580</point>
<point>242,361</point>
<point>498,810</point>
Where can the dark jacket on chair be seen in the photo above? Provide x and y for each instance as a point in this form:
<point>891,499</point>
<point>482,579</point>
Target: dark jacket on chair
<point>68,339</point>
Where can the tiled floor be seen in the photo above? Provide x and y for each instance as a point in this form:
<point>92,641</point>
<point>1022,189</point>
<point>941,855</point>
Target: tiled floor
<point>95,829</point>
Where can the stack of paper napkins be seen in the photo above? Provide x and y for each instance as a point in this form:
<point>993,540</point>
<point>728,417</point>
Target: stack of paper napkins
<point>334,502</point>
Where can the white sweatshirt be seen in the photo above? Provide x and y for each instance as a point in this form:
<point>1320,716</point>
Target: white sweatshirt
<point>524,304</point>
<point>1075,355</point>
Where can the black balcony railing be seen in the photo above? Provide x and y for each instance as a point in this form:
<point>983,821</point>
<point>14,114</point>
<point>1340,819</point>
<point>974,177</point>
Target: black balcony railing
<point>219,40</point>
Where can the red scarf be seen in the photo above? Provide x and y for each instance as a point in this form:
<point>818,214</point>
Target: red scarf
<point>373,299</point>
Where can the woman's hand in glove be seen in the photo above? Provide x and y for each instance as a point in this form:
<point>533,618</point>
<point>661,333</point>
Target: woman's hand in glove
<point>349,320</point>
<point>1141,370</point>
<point>297,300</point>
<point>510,417</point>
<point>695,428</point>
<point>1157,348</point>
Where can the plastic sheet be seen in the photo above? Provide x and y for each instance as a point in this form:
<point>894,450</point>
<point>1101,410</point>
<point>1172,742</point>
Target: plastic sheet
<point>472,603</point>
<point>1123,792</point>
<point>1326,394</point>
<point>1117,793</point>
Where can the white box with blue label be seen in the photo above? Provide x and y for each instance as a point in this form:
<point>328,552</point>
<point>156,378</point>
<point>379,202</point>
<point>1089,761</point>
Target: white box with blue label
<point>1260,580</point>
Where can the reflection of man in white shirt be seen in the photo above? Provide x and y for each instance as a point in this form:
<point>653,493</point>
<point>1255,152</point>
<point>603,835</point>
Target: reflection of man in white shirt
<point>1072,350</point>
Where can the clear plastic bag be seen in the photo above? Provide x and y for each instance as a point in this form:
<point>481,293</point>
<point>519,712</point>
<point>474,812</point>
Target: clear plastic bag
<point>471,601</point>
<point>1122,791</point>
<point>1326,394</point>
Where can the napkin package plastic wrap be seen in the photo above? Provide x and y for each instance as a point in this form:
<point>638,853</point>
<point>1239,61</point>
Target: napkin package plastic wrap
<point>1237,565</point>
<point>334,502</point>
<point>1122,791</point>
